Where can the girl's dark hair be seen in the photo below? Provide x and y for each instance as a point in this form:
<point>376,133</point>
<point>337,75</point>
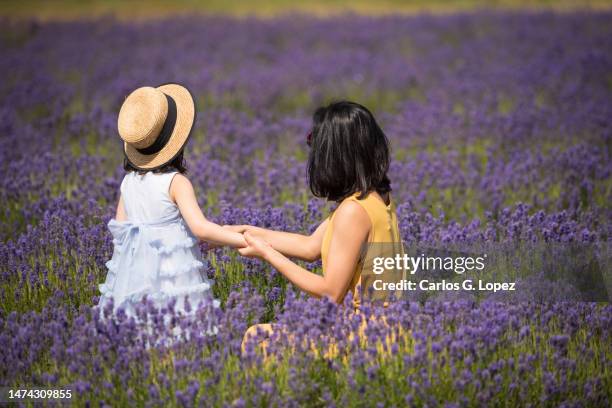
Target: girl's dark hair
<point>349,153</point>
<point>176,164</point>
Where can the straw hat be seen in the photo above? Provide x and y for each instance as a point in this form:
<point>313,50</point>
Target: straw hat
<point>154,124</point>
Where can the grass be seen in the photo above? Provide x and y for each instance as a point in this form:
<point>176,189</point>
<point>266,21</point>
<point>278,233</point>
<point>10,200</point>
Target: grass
<point>129,10</point>
<point>390,383</point>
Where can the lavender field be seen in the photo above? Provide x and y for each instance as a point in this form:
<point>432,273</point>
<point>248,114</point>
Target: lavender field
<point>500,126</point>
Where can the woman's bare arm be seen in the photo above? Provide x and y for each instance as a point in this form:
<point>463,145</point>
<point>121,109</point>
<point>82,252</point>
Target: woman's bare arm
<point>181,191</point>
<point>305,247</point>
<point>351,228</point>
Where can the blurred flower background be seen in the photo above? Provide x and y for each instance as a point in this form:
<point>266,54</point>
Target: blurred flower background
<point>500,119</point>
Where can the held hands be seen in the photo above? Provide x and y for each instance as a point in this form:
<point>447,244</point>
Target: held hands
<point>256,246</point>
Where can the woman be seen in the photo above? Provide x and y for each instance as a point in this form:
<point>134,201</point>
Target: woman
<point>348,163</point>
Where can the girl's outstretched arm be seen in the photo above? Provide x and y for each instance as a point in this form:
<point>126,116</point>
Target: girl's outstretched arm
<point>305,247</point>
<point>181,191</point>
<point>351,228</point>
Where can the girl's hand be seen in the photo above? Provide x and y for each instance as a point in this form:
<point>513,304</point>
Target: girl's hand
<point>257,247</point>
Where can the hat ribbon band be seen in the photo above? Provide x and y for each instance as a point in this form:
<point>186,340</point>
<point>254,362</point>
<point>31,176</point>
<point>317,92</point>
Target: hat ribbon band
<point>166,131</point>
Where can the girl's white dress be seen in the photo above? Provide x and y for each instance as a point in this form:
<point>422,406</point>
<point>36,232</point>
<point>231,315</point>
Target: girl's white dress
<point>155,254</point>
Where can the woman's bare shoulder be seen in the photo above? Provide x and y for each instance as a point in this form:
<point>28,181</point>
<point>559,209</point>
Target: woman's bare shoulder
<point>351,215</point>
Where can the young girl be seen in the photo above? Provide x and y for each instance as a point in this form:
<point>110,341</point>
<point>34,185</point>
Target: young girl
<point>158,220</point>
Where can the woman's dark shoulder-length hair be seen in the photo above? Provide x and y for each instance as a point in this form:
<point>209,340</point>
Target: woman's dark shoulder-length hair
<point>176,164</point>
<point>349,153</point>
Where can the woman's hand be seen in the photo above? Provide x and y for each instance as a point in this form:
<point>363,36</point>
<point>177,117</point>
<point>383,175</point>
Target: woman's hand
<point>352,226</point>
<point>256,247</point>
<point>305,247</point>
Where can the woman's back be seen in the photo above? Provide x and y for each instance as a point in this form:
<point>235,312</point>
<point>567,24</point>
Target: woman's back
<point>384,240</point>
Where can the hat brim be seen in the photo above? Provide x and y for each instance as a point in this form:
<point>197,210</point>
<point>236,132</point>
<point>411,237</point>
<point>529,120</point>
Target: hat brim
<point>185,116</point>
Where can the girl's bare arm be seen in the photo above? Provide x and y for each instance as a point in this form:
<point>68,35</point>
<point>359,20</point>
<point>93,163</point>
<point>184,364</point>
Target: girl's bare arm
<point>120,214</point>
<point>181,191</point>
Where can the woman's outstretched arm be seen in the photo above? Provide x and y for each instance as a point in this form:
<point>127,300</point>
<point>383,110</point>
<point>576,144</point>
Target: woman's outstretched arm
<point>351,228</point>
<point>181,191</point>
<point>305,247</point>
